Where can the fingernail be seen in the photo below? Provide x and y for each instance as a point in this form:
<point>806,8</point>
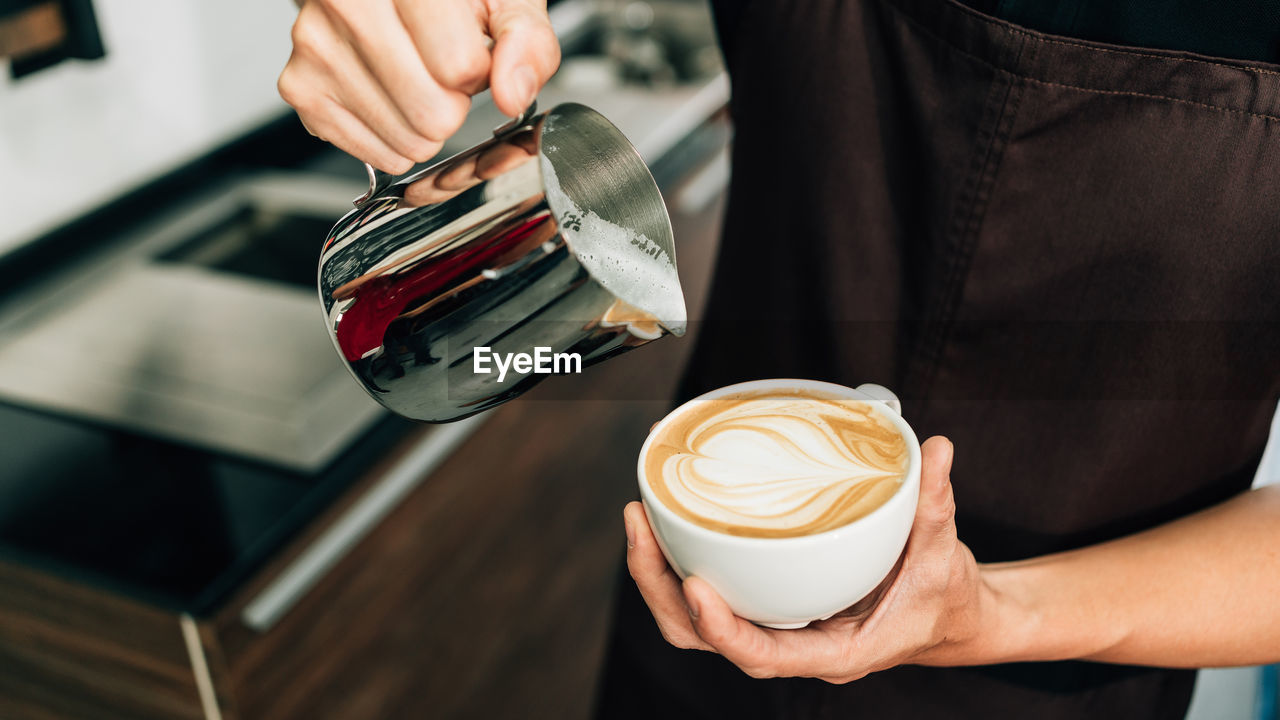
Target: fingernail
<point>693,607</point>
<point>524,82</point>
<point>631,533</point>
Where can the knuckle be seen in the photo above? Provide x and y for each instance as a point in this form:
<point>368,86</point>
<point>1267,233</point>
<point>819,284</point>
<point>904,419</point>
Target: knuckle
<point>643,578</point>
<point>717,638</point>
<point>634,567</point>
<point>463,70</point>
<point>306,34</point>
<point>287,86</point>
<point>550,46</point>
<point>422,150</point>
<point>942,512</point>
<point>677,639</point>
<point>437,124</point>
<point>428,124</point>
<point>756,666</point>
<point>295,91</point>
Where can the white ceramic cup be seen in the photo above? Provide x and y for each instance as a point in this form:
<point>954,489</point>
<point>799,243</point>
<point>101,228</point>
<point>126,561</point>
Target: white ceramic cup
<point>789,582</point>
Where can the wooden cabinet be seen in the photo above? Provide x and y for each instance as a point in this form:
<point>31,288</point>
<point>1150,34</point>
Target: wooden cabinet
<point>68,651</point>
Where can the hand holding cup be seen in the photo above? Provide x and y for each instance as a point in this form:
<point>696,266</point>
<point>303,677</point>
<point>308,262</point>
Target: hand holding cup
<point>923,606</point>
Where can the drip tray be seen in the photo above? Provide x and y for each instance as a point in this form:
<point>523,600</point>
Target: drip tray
<point>206,331</point>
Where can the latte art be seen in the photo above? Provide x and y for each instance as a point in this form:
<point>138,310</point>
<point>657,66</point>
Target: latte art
<point>776,463</point>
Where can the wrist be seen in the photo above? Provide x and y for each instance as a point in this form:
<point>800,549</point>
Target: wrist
<point>1040,609</point>
<point>1013,621</point>
<point>999,625</point>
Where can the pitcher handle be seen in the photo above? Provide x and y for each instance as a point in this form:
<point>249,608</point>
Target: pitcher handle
<point>379,181</point>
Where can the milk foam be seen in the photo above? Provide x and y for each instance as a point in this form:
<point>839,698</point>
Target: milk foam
<point>776,464</point>
<point>627,263</point>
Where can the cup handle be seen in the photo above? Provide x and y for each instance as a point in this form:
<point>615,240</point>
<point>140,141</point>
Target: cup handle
<point>882,394</point>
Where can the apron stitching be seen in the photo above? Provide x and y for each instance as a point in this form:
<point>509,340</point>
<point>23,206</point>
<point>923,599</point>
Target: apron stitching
<point>1133,93</point>
<point>1153,56</point>
<point>964,230</point>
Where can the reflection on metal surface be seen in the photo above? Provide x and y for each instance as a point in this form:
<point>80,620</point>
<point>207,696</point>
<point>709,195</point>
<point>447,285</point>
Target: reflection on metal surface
<point>511,245</point>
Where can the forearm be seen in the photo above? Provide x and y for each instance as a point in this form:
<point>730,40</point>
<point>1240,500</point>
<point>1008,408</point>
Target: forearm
<point>1201,591</point>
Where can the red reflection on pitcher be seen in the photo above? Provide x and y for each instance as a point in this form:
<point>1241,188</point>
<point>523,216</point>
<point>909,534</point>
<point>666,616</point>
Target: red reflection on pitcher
<point>380,300</point>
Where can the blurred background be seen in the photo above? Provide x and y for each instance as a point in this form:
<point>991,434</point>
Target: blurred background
<point>201,515</point>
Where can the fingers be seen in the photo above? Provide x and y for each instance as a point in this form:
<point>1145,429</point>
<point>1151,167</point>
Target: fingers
<point>657,582</point>
<point>936,511</point>
<point>449,35</point>
<point>378,34</point>
<point>335,124</point>
<point>693,616</point>
<point>741,642</point>
<point>305,84</point>
<point>360,93</point>
<point>525,53</point>
<point>355,59</point>
<point>404,70</point>
<point>762,652</point>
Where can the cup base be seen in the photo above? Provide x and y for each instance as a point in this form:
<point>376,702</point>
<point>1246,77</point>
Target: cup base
<point>784,626</point>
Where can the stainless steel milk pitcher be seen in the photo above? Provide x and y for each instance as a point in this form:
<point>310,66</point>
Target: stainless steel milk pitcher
<point>547,246</point>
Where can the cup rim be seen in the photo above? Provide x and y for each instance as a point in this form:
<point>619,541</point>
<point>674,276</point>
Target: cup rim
<point>912,476</point>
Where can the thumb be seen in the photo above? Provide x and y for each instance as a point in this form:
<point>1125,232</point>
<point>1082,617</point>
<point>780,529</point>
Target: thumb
<point>936,512</point>
<point>525,53</point>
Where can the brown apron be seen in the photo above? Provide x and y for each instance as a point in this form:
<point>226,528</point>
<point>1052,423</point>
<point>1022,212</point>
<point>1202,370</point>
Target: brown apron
<point>1064,255</point>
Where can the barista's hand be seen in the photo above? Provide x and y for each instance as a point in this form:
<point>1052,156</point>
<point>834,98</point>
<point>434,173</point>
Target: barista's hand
<point>389,80</point>
<point>928,613</point>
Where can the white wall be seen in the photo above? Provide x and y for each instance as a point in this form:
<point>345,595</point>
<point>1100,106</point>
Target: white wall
<point>180,77</point>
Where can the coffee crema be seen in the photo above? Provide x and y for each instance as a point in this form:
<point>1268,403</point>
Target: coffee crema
<point>776,462</point>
